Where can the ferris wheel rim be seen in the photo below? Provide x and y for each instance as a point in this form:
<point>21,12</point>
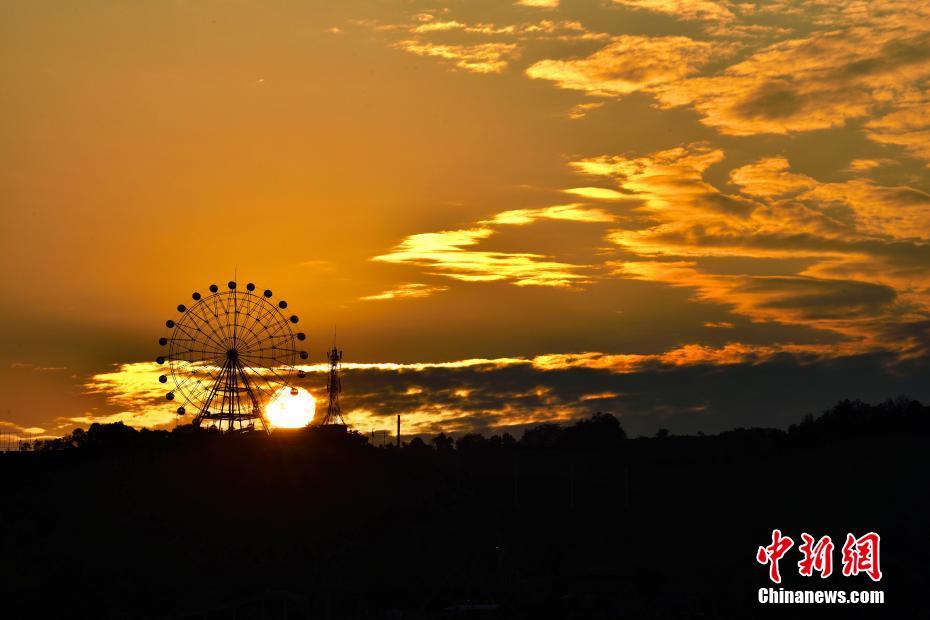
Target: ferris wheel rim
<point>237,336</point>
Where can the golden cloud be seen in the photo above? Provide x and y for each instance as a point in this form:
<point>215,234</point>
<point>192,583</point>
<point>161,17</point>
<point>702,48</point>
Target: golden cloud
<point>802,84</point>
<point>865,244</point>
<point>908,126</point>
<point>133,389</point>
<point>447,253</point>
<point>842,306</point>
<point>596,193</point>
<point>571,212</point>
<point>864,165</point>
<point>629,63</point>
<point>411,290</point>
<point>770,177</point>
<point>684,9</point>
<point>477,58</point>
<point>581,110</point>
<point>686,355</point>
<point>543,4</point>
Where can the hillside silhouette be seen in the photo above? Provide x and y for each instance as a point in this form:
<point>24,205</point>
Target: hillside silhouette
<point>568,521</point>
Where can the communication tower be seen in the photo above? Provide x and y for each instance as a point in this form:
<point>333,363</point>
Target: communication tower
<point>333,415</point>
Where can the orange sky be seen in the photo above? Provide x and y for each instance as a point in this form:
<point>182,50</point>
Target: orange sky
<point>601,204</point>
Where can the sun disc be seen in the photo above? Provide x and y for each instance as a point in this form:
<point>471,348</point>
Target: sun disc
<point>290,408</point>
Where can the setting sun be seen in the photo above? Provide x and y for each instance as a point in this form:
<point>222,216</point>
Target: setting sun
<point>291,408</point>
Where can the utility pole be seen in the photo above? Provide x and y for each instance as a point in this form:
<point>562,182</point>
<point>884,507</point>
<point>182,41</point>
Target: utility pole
<point>571,485</point>
<point>398,430</point>
<point>516,501</point>
<point>626,487</point>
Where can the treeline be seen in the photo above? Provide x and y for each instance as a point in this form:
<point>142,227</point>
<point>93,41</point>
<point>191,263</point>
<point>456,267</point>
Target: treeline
<point>567,521</point>
<point>601,431</point>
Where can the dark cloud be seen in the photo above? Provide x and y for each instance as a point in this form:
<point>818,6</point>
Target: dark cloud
<point>818,299</point>
<point>706,398</point>
<point>772,100</point>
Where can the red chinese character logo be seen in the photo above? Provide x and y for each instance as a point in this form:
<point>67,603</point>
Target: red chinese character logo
<point>773,553</point>
<point>817,557</point>
<point>861,555</point>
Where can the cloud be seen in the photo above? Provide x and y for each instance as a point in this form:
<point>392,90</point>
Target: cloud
<point>581,110</point>
<point>542,4</point>
<point>134,393</point>
<point>684,9</point>
<point>477,58</point>
<point>865,165</point>
<point>599,396</point>
<point>448,253</point>
<point>13,433</point>
<point>597,193</point>
<point>837,305</point>
<point>478,47</point>
<point>770,177</point>
<point>753,387</point>
<point>746,74</point>
<point>34,368</point>
<point>570,213</point>
<point>452,253</point>
<point>817,82</point>
<point>685,355</point>
<point>412,290</point>
<point>629,63</point>
<point>459,395</point>
<point>434,26</point>
<point>908,126</point>
<point>669,183</point>
<point>861,243</point>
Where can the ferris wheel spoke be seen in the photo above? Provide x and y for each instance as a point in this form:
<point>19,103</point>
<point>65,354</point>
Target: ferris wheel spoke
<point>254,377</point>
<point>193,392</point>
<point>270,369</point>
<point>194,356</point>
<point>270,359</point>
<point>225,319</point>
<point>248,338</point>
<point>201,311</point>
<point>272,388</point>
<point>193,369</point>
<point>265,315</point>
<point>279,379</point>
<point>272,337</point>
<point>196,397</point>
<point>260,318</point>
<point>193,338</point>
<point>202,326</point>
<point>251,341</point>
<point>288,350</point>
<point>273,385</point>
<point>189,384</point>
<point>220,323</point>
<point>235,334</point>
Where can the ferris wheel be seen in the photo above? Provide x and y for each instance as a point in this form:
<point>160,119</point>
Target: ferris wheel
<point>229,354</point>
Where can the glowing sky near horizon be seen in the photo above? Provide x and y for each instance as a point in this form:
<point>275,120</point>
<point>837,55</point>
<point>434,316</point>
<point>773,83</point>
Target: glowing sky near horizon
<point>695,214</point>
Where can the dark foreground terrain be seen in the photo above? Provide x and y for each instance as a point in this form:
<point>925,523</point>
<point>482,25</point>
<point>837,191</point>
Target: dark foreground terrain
<point>567,522</point>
